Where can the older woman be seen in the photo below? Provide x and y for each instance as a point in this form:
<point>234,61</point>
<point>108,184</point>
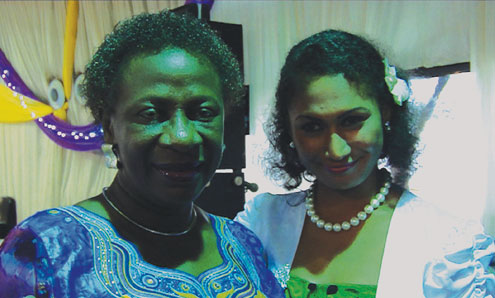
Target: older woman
<point>159,84</point>
<point>340,112</point>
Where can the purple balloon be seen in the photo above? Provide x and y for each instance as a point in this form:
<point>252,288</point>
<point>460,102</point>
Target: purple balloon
<point>209,3</point>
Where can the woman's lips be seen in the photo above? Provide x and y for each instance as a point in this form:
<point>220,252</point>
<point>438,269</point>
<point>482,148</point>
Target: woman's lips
<point>338,169</point>
<point>179,171</point>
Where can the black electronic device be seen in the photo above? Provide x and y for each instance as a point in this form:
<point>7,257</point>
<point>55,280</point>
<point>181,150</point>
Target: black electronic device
<point>8,215</point>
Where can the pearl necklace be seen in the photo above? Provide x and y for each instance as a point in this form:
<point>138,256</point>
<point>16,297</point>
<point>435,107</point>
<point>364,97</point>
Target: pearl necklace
<point>375,202</point>
<point>189,228</point>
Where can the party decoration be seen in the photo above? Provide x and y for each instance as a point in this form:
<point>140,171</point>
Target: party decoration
<point>80,138</point>
<point>56,97</point>
<point>208,4</point>
<point>15,107</point>
<point>78,90</point>
<point>62,112</point>
<point>69,45</point>
<point>205,2</point>
<point>20,104</point>
<point>397,86</point>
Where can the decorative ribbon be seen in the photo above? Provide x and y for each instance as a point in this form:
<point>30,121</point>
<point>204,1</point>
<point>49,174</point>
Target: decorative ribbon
<point>20,104</point>
<point>397,87</point>
<point>69,45</point>
<point>209,3</point>
<point>80,138</point>
<point>15,107</point>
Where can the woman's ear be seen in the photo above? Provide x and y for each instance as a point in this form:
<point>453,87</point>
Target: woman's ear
<point>386,114</point>
<point>106,123</point>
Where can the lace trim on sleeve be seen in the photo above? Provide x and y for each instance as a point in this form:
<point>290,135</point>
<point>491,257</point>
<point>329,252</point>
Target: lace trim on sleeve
<point>282,274</point>
<point>463,273</point>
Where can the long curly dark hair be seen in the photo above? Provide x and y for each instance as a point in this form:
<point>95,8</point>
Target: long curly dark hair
<point>333,52</point>
<point>151,33</point>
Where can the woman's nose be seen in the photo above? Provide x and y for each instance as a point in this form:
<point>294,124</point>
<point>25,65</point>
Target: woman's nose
<point>338,148</point>
<point>180,131</point>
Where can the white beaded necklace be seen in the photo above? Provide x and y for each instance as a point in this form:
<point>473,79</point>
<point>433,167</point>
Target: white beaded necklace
<point>375,202</point>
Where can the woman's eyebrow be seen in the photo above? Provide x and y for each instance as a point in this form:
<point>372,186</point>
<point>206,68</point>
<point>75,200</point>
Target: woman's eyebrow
<point>358,109</point>
<point>342,115</point>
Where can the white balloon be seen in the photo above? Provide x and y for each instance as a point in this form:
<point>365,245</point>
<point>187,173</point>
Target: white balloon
<point>78,89</point>
<point>56,97</point>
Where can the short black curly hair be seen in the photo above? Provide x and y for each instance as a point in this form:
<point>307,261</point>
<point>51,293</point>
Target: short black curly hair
<point>151,33</point>
<point>333,52</point>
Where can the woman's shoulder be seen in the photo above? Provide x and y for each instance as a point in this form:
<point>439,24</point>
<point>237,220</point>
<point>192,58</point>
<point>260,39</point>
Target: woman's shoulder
<point>49,237</point>
<point>238,230</point>
<point>47,228</point>
<point>267,207</point>
<point>45,220</point>
<point>441,229</point>
<point>287,200</point>
<point>49,224</point>
<point>435,218</point>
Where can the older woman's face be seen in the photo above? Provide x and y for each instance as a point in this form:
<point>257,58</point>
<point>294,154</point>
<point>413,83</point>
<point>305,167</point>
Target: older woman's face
<point>337,132</point>
<point>168,125</point>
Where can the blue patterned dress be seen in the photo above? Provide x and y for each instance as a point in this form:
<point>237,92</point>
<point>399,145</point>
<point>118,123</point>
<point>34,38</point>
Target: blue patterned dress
<point>71,252</point>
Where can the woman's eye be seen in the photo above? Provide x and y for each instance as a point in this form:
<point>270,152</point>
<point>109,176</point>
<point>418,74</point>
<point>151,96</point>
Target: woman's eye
<point>149,114</point>
<point>351,121</point>
<point>311,127</point>
<point>203,114</point>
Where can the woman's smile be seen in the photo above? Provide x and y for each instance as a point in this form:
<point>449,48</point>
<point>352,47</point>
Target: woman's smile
<point>179,172</point>
<point>341,168</point>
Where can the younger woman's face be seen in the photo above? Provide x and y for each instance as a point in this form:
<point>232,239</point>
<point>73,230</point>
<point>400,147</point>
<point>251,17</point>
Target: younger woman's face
<point>337,132</point>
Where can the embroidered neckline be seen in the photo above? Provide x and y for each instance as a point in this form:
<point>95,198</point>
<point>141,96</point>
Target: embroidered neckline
<point>122,270</point>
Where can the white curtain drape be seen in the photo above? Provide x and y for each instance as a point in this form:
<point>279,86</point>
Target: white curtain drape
<point>483,65</point>
<point>39,174</point>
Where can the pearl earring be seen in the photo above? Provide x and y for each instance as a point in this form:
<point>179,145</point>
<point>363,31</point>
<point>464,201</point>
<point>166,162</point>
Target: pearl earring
<point>291,144</point>
<point>387,126</point>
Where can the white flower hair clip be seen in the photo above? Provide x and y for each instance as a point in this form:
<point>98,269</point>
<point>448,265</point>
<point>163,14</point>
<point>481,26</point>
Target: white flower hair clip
<point>398,87</point>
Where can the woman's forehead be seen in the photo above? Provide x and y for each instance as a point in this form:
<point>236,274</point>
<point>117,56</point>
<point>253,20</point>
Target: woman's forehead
<point>329,93</point>
<point>169,57</point>
<point>171,73</point>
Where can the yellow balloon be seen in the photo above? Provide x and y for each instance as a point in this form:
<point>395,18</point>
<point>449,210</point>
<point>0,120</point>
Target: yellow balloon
<point>69,45</point>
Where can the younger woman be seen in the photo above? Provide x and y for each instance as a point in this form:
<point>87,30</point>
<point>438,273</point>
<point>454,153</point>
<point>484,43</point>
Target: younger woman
<point>340,110</point>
